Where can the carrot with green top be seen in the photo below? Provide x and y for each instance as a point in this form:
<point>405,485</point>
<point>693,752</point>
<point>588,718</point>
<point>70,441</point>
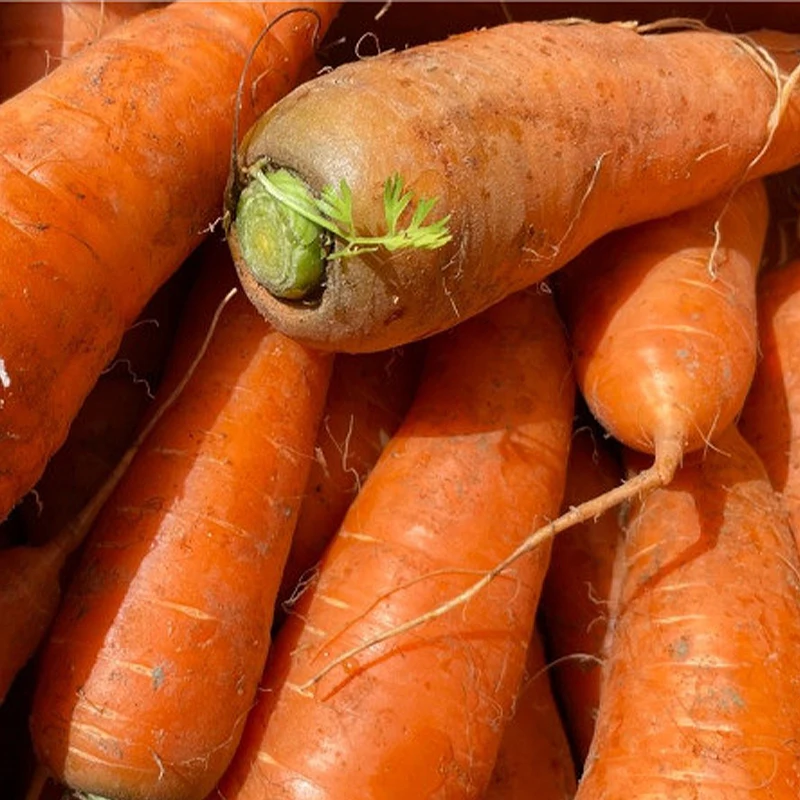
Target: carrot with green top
<point>479,459</point>
<point>114,167</point>
<point>152,664</point>
<point>394,197</point>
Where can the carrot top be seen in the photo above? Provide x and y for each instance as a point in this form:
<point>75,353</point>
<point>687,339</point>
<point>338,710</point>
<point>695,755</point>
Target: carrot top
<point>287,233</point>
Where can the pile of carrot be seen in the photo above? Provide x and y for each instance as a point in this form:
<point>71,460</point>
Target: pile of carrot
<point>397,405</point>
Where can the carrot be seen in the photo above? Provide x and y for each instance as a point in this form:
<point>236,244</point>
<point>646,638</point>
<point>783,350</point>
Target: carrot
<point>502,167</point>
<point>770,418</point>
<point>575,597</point>
<point>35,38</point>
<point>534,760</point>
<point>697,697</point>
<point>480,457</point>
<point>368,397</point>
<point>115,164</point>
<point>156,653</point>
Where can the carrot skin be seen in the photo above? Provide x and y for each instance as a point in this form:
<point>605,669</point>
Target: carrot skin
<point>770,418</point>
<point>114,166</point>
<point>577,589</point>
<point>368,397</point>
<point>664,339</point>
<point>479,459</point>
<point>534,759</point>
<point>155,656</point>
<point>501,125</point>
<point>701,672</point>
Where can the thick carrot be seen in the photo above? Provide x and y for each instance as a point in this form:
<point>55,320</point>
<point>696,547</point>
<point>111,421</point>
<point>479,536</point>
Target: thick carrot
<point>114,166</point>
<point>575,598</point>
<point>368,398</point>
<point>155,656</point>
<point>479,459</point>
<point>35,38</point>
<point>534,760</point>
<point>698,698</point>
<point>770,419</point>
<point>535,139</point>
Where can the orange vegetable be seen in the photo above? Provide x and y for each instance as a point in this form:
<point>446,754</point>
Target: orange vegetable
<point>114,166</point>
<point>36,37</point>
<point>479,460</point>
<point>368,397</point>
<point>771,416</point>
<point>578,588</point>
<point>698,695</point>
<point>534,760</point>
<point>170,609</point>
<point>501,127</point>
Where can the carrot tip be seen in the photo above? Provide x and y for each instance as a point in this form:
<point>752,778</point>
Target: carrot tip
<point>280,247</point>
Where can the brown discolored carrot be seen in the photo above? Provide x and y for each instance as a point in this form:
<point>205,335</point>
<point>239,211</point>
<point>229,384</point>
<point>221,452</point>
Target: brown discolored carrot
<point>501,128</point>
<point>113,167</point>
<point>771,416</point>
<point>36,37</point>
<point>577,589</point>
<point>534,760</point>
<point>479,459</point>
<point>696,701</point>
<point>368,397</point>
<point>154,658</point>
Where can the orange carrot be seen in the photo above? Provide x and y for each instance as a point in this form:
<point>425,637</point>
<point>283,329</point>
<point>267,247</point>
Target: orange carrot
<point>574,607</point>
<point>701,674</point>
<point>368,397</point>
<point>479,459</point>
<point>534,760</point>
<point>36,37</point>
<point>503,129</point>
<point>771,416</point>
<point>114,166</point>
<point>154,658</point>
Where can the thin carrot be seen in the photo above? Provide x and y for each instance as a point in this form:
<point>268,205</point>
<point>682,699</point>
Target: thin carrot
<point>153,661</point>
<point>35,38</point>
<point>522,143</point>
<point>577,589</point>
<point>114,165</point>
<point>701,674</point>
<point>368,398</point>
<point>534,760</point>
<point>771,416</point>
<point>480,457</point>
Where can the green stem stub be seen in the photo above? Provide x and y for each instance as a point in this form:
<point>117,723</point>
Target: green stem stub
<point>282,248</point>
<point>287,234</point>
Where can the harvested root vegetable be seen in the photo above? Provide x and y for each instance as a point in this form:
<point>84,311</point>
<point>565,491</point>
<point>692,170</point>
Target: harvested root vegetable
<point>480,459</point>
<point>405,193</point>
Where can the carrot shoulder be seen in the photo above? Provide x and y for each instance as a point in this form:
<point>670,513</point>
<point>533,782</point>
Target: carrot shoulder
<point>697,699</point>
<point>534,139</point>
<point>154,658</point>
<point>479,460</point>
<point>113,166</point>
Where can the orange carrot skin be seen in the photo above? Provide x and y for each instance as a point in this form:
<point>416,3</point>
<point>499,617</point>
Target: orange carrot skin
<point>155,656</point>
<point>368,398</point>
<point>534,758</point>
<point>664,346</point>
<point>770,418</point>
<point>702,669</point>
<point>574,606</point>
<point>35,38</point>
<point>478,462</point>
<point>115,165</point>
<point>502,126</point>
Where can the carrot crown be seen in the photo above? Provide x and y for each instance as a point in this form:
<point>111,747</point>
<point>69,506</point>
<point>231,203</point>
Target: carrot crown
<point>287,234</point>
